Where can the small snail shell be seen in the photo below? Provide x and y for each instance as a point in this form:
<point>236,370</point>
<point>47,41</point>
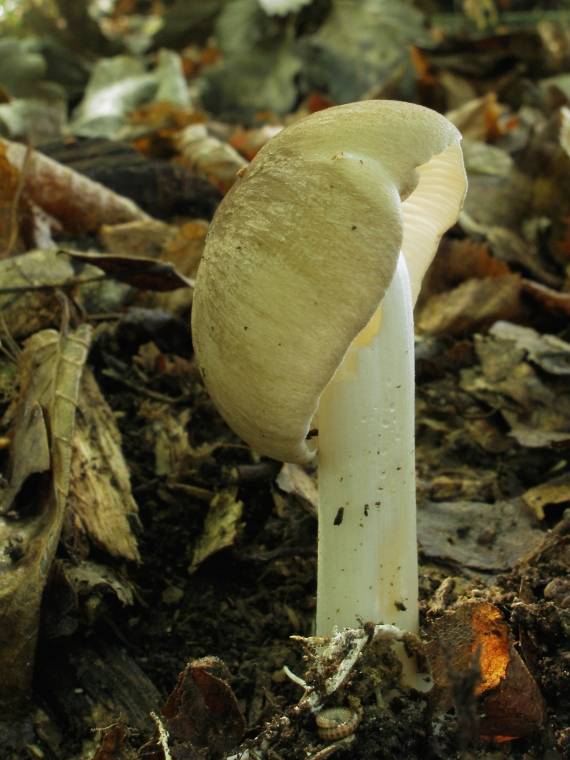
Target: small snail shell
<point>336,723</point>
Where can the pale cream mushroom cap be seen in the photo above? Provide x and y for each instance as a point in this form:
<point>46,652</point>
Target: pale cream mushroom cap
<point>301,251</point>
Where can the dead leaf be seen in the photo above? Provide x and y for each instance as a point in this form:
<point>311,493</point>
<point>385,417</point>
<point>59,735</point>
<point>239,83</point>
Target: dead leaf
<point>28,289</point>
<point>90,578</point>
<point>535,406</point>
<point>78,202</point>
<point>10,181</point>
<point>506,699</point>
<point>548,352</point>
<point>457,261</point>
<point>537,439</point>
<point>116,86</point>
<point>480,119</point>
<point>184,249</point>
<point>50,372</point>
<point>112,744</point>
<point>476,536</point>
<point>481,158</point>
<point>202,713</point>
<point>248,142</point>
<point>221,527</point>
<point>556,491</point>
<point>474,305</point>
<point>510,247</point>
<point>143,273</point>
<point>29,452</point>
<point>294,480</point>
<point>171,447</point>
<point>142,238</point>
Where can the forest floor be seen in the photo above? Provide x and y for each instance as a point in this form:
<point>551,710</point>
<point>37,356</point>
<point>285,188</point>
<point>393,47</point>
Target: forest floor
<point>153,567</point>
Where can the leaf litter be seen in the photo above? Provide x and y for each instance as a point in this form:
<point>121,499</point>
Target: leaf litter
<point>118,476</point>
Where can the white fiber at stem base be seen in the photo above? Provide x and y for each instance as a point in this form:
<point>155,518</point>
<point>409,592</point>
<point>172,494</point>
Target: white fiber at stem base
<point>367,556</point>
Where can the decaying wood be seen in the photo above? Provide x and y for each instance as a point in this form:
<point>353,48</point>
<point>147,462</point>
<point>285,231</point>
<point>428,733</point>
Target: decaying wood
<point>50,372</point>
<point>110,686</point>
<point>101,507</point>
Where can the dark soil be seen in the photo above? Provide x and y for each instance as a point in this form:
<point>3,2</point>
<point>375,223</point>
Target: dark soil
<point>243,603</point>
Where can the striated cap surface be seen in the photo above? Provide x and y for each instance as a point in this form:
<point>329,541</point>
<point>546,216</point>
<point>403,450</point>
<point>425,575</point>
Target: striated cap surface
<point>301,251</point>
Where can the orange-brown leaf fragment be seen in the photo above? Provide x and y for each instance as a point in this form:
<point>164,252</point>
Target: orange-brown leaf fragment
<point>491,640</point>
<point>112,746</point>
<point>9,182</point>
<point>506,698</point>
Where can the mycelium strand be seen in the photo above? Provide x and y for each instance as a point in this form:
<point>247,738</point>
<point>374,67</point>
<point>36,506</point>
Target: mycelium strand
<point>367,556</point>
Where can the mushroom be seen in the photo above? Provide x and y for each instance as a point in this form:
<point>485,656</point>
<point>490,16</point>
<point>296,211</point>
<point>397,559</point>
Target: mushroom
<point>302,322</point>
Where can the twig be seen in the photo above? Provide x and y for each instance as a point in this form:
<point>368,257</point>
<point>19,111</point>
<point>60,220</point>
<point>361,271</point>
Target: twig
<point>143,391</point>
<point>162,740</point>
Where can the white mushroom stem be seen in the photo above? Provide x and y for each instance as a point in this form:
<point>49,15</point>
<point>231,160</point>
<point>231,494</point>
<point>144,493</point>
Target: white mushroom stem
<point>367,556</point>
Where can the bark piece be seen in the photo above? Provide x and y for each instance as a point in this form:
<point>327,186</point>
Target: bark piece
<point>101,508</point>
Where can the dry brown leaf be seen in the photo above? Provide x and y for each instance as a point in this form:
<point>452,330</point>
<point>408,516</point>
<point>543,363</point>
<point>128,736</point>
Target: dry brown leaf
<point>483,118</point>
<point>534,403</point>
<point>101,508</point>
<point>185,248</point>
<point>510,247</point>
<point>10,180</point>
<point>78,202</point>
<point>473,642</point>
<point>549,352</point>
<point>28,289</point>
<point>51,366</point>
<point>112,744</point>
<point>202,714</point>
<point>221,526</point>
<point>489,538</point>
<point>91,579</point>
<point>457,261</point>
<point>556,491</point>
<point>250,141</point>
<point>474,305</point>
<point>142,273</point>
<point>294,480</point>
<point>29,452</point>
<point>172,454</point>
<point>145,238</point>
